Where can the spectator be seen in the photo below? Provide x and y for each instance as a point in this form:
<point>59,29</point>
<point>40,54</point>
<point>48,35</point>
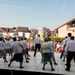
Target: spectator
<point>58,46</point>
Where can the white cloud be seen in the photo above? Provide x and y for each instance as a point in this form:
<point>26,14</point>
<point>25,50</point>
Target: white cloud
<point>12,6</point>
<point>70,10</point>
<point>63,7</point>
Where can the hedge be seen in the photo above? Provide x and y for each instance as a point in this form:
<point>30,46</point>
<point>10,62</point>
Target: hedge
<point>58,39</point>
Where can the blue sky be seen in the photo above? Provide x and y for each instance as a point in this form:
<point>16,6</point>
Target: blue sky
<point>36,13</point>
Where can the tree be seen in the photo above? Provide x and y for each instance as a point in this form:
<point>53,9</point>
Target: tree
<point>48,33</point>
<point>36,31</point>
<point>14,28</point>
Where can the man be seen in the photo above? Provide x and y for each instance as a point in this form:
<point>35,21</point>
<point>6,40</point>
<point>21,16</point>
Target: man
<point>65,43</point>
<point>70,52</point>
<point>37,42</point>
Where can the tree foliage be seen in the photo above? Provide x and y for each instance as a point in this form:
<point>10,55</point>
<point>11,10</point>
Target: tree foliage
<point>14,28</point>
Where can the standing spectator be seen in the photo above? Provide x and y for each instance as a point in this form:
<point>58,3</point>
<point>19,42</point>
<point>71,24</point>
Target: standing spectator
<point>70,52</point>
<point>37,42</point>
<point>2,48</point>
<point>46,51</point>
<point>18,56</point>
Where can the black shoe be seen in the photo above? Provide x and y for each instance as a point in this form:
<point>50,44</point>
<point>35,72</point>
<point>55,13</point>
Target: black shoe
<point>29,55</point>
<point>55,64</point>
<point>52,69</point>
<point>8,65</point>
<point>60,58</point>
<point>21,67</point>
<point>43,68</point>
<point>63,60</point>
<point>5,61</point>
<point>67,69</point>
<point>27,61</point>
<point>28,58</point>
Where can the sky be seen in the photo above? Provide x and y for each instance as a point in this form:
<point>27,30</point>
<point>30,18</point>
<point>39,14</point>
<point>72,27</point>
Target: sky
<point>36,13</point>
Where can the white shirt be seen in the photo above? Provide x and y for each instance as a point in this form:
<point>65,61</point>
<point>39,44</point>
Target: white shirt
<point>58,45</point>
<point>2,45</point>
<point>11,41</point>
<point>16,46</point>
<point>24,44</point>
<point>53,48</point>
<point>70,46</point>
<point>7,45</point>
<point>46,47</point>
<point>62,44</point>
<point>67,40</point>
<point>37,40</point>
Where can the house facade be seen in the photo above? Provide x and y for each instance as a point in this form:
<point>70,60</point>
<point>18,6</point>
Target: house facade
<point>65,28</point>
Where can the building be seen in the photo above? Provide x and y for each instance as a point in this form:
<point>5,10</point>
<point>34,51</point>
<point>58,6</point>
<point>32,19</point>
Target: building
<point>6,32</point>
<point>65,28</point>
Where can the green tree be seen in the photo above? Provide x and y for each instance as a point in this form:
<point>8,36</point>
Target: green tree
<point>36,31</point>
<point>48,33</point>
<point>14,28</point>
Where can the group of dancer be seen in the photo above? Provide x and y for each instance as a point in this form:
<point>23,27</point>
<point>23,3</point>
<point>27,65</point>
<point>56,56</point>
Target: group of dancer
<point>46,48</point>
<point>13,46</point>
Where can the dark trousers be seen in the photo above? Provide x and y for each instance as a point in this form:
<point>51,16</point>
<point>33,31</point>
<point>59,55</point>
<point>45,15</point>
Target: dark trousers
<point>61,54</point>
<point>69,58</point>
<point>37,46</point>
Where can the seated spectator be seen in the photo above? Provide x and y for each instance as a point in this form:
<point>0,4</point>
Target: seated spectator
<point>60,49</point>
<point>58,46</point>
<point>31,46</point>
<point>28,44</point>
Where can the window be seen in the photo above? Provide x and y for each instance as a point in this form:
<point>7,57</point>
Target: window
<point>73,24</point>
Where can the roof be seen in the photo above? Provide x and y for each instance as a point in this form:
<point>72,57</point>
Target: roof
<point>6,29</point>
<point>1,29</point>
<point>24,29</point>
<point>69,21</point>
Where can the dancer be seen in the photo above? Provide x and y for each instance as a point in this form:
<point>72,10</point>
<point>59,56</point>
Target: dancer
<point>53,50</point>
<point>37,43</point>
<point>2,48</point>
<point>46,52</point>
<point>24,44</point>
<point>70,52</point>
<point>18,56</point>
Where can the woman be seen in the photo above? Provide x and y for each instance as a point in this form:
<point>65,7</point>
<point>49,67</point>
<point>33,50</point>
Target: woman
<point>46,51</point>
<point>7,48</point>
<point>18,56</point>
<point>2,48</point>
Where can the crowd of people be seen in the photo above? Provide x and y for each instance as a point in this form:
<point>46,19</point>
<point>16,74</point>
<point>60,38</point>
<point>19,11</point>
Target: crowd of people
<point>47,48</point>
